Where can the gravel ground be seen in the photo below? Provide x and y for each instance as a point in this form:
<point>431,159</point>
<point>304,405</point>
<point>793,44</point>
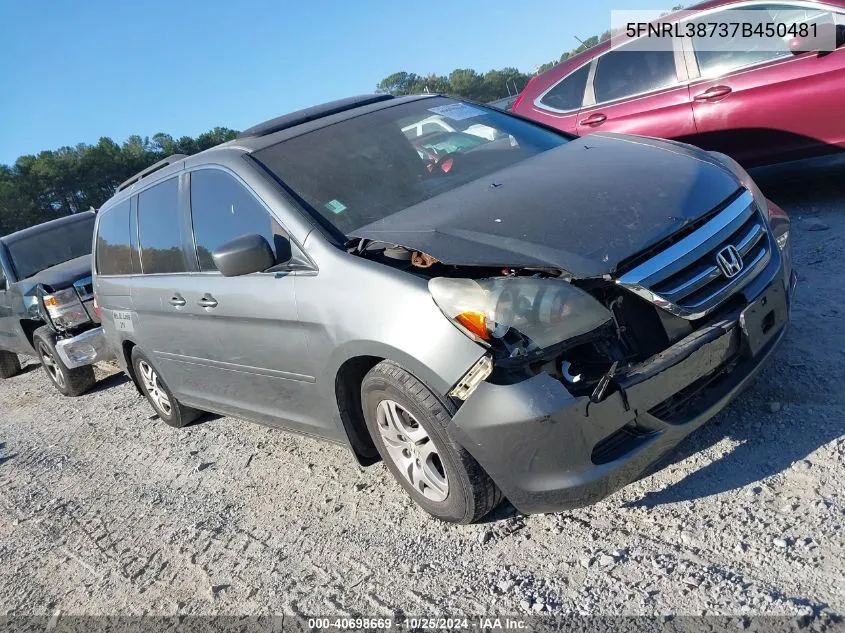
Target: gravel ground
<point>105,510</point>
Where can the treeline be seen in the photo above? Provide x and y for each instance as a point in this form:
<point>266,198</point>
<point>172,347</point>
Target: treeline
<point>587,43</point>
<point>462,82</point>
<point>72,179</point>
<point>489,86</point>
<point>468,83</point>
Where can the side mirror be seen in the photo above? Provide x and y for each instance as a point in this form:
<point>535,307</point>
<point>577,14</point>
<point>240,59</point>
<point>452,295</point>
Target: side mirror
<point>243,255</point>
<point>822,36</point>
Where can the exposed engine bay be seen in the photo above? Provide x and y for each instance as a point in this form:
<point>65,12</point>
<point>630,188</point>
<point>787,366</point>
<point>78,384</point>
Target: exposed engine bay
<point>636,330</point>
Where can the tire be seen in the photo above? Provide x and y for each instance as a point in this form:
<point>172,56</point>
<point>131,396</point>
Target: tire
<point>10,364</point>
<point>69,382</point>
<point>164,403</point>
<point>408,422</point>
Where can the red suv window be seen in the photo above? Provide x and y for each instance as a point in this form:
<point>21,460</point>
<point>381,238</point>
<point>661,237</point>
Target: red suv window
<point>624,73</point>
<point>569,93</point>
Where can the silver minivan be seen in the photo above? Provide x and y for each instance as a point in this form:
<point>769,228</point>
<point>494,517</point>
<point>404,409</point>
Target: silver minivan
<point>518,313</point>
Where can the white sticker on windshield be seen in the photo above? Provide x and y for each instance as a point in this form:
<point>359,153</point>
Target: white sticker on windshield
<point>123,320</point>
<point>335,206</point>
<point>457,111</point>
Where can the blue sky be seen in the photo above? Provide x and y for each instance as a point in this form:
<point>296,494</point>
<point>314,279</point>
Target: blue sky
<point>73,71</point>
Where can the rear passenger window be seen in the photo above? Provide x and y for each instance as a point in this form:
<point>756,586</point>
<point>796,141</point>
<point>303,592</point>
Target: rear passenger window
<point>113,246</point>
<point>626,72</point>
<point>159,229</point>
<point>223,209</point>
<point>569,93</point>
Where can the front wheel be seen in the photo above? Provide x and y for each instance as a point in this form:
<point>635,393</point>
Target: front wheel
<point>159,395</point>
<point>70,382</point>
<point>407,422</point>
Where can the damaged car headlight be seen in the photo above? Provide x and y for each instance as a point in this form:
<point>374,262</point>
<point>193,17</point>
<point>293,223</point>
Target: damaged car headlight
<point>518,314</point>
<point>65,309</point>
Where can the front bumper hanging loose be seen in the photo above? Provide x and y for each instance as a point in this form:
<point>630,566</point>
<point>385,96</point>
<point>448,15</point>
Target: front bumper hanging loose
<point>548,450</point>
<point>84,349</point>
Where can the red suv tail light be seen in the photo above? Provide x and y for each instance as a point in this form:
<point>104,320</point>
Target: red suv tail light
<point>97,309</point>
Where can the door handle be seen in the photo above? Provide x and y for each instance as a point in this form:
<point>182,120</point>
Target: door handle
<point>207,301</point>
<point>177,300</point>
<point>713,94</point>
<point>594,119</point>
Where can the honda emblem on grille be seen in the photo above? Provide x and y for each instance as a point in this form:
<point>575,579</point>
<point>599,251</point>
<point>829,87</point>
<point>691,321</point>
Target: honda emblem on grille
<point>729,261</point>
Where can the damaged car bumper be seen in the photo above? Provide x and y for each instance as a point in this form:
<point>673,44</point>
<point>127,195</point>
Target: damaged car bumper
<point>549,450</point>
<point>84,349</point>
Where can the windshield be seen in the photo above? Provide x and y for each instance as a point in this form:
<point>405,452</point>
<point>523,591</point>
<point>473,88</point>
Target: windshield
<point>366,168</point>
<point>51,246</point>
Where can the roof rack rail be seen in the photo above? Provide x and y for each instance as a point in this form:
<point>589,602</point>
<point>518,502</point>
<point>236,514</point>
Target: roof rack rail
<point>175,158</point>
<point>309,114</point>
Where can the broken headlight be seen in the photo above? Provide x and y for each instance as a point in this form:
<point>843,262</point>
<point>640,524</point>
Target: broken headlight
<point>65,309</point>
<point>518,315</point>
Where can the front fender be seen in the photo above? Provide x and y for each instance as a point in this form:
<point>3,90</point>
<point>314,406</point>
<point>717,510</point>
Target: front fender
<point>355,308</point>
<point>440,367</point>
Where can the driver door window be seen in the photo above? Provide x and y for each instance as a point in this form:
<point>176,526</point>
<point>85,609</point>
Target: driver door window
<point>223,209</point>
<point>717,56</point>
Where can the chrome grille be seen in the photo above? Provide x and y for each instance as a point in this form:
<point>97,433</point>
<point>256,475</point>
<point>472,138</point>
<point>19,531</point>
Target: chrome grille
<point>84,288</point>
<point>686,279</point>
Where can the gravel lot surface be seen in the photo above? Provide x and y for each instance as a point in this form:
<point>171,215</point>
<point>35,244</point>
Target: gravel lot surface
<point>105,510</point>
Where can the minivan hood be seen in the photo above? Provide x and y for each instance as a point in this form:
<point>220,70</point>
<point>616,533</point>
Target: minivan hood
<point>62,275</point>
<point>582,207</point>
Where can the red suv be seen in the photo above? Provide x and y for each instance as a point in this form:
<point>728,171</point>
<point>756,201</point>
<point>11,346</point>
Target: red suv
<point>757,106</point>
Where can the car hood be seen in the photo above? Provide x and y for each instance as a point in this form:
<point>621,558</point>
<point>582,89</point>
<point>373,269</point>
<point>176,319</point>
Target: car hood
<point>582,207</point>
<point>62,275</point>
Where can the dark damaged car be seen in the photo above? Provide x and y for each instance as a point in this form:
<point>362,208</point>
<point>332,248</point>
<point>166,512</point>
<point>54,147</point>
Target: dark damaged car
<point>528,315</point>
<point>47,302</point>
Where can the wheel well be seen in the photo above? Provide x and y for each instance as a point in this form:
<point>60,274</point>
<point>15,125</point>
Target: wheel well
<point>127,356</point>
<point>348,393</point>
<point>29,327</point>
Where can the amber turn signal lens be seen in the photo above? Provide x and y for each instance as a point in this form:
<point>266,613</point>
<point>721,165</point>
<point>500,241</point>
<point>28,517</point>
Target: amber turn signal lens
<point>476,323</point>
<point>50,301</point>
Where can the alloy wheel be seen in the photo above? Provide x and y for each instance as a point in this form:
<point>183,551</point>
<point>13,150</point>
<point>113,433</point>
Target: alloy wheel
<point>412,450</point>
<point>51,365</point>
<point>154,389</point>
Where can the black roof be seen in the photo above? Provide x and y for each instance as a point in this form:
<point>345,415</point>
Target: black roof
<point>51,224</point>
<point>309,114</point>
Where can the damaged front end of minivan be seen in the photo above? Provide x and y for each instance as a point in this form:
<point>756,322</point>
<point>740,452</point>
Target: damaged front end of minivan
<point>587,381</point>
